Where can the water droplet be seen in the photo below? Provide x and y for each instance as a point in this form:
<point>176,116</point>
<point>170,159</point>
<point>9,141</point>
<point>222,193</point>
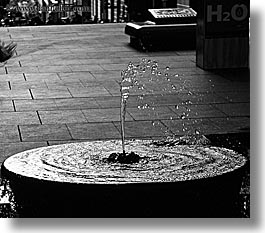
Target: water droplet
<point>145,106</point>
<point>167,67</point>
<point>186,102</point>
<point>144,60</point>
<point>176,107</point>
<point>176,75</point>
<point>182,116</point>
<point>197,132</point>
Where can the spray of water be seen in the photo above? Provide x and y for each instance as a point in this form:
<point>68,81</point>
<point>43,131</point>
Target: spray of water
<point>147,79</point>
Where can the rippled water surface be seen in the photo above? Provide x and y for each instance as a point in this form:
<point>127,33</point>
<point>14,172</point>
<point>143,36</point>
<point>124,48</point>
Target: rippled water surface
<point>84,162</point>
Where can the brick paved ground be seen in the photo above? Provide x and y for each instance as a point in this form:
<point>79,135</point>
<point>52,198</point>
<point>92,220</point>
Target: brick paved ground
<point>62,86</point>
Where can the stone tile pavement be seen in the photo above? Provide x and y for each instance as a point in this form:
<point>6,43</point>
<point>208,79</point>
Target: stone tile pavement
<point>62,86</point>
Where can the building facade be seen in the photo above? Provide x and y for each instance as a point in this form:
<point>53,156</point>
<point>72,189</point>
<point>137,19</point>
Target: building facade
<point>99,11</point>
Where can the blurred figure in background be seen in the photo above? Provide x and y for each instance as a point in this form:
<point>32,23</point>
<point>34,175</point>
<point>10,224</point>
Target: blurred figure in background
<point>7,51</point>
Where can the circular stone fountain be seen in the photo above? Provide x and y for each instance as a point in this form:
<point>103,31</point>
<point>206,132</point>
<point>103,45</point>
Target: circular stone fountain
<point>77,180</point>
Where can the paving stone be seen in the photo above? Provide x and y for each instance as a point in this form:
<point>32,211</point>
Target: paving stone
<point>116,60</point>
<point>19,85</point>
<point>155,100</point>
<point>4,85</point>
<point>64,51</point>
<point>109,101</point>
<point>112,89</point>
<point>13,62</point>
<point>62,116</point>
<point>233,87</point>
<point>183,64</point>
<point>2,70</point>
<point>64,84</point>
<point>92,83</point>
<point>216,87</point>
<point>76,68</point>
<point>174,57</point>
<point>143,129</point>
<point>20,70</point>
<point>44,132</point>
<point>201,98</point>
<point>197,111</point>
<point>88,92</point>
<point>232,124</point>
<point>94,131</point>
<point>9,133</point>
<point>234,109</point>
<point>17,118</point>
<point>6,106</point>
<point>12,77</point>
<point>113,54</point>
<point>190,71</point>
<point>50,93</point>
<point>35,62</point>
<point>107,75</point>
<point>15,94</point>
<point>37,77</point>
<point>54,69</point>
<point>111,86</point>
<point>104,115</point>
<point>236,96</point>
<point>76,103</point>
<point>35,105</point>
<point>76,76</point>
<point>102,49</point>
<point>151,113</point>
<point>204,80</point>
<point>118,67</point>
<point>189,126</point>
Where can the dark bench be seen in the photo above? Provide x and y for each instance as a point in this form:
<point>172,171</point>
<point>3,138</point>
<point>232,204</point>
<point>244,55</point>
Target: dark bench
<point>148,36</point>
<point>166,27</point>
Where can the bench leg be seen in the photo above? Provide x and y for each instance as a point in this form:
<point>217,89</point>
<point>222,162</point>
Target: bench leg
<point>142,43</point>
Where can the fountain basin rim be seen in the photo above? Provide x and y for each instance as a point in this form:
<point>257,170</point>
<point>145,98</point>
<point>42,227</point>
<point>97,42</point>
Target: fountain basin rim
<point>92,180</point>
<point>6,173</point>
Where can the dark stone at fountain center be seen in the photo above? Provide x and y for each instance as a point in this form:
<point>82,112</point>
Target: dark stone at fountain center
<point>74,180</point>
<point>124,158</point>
